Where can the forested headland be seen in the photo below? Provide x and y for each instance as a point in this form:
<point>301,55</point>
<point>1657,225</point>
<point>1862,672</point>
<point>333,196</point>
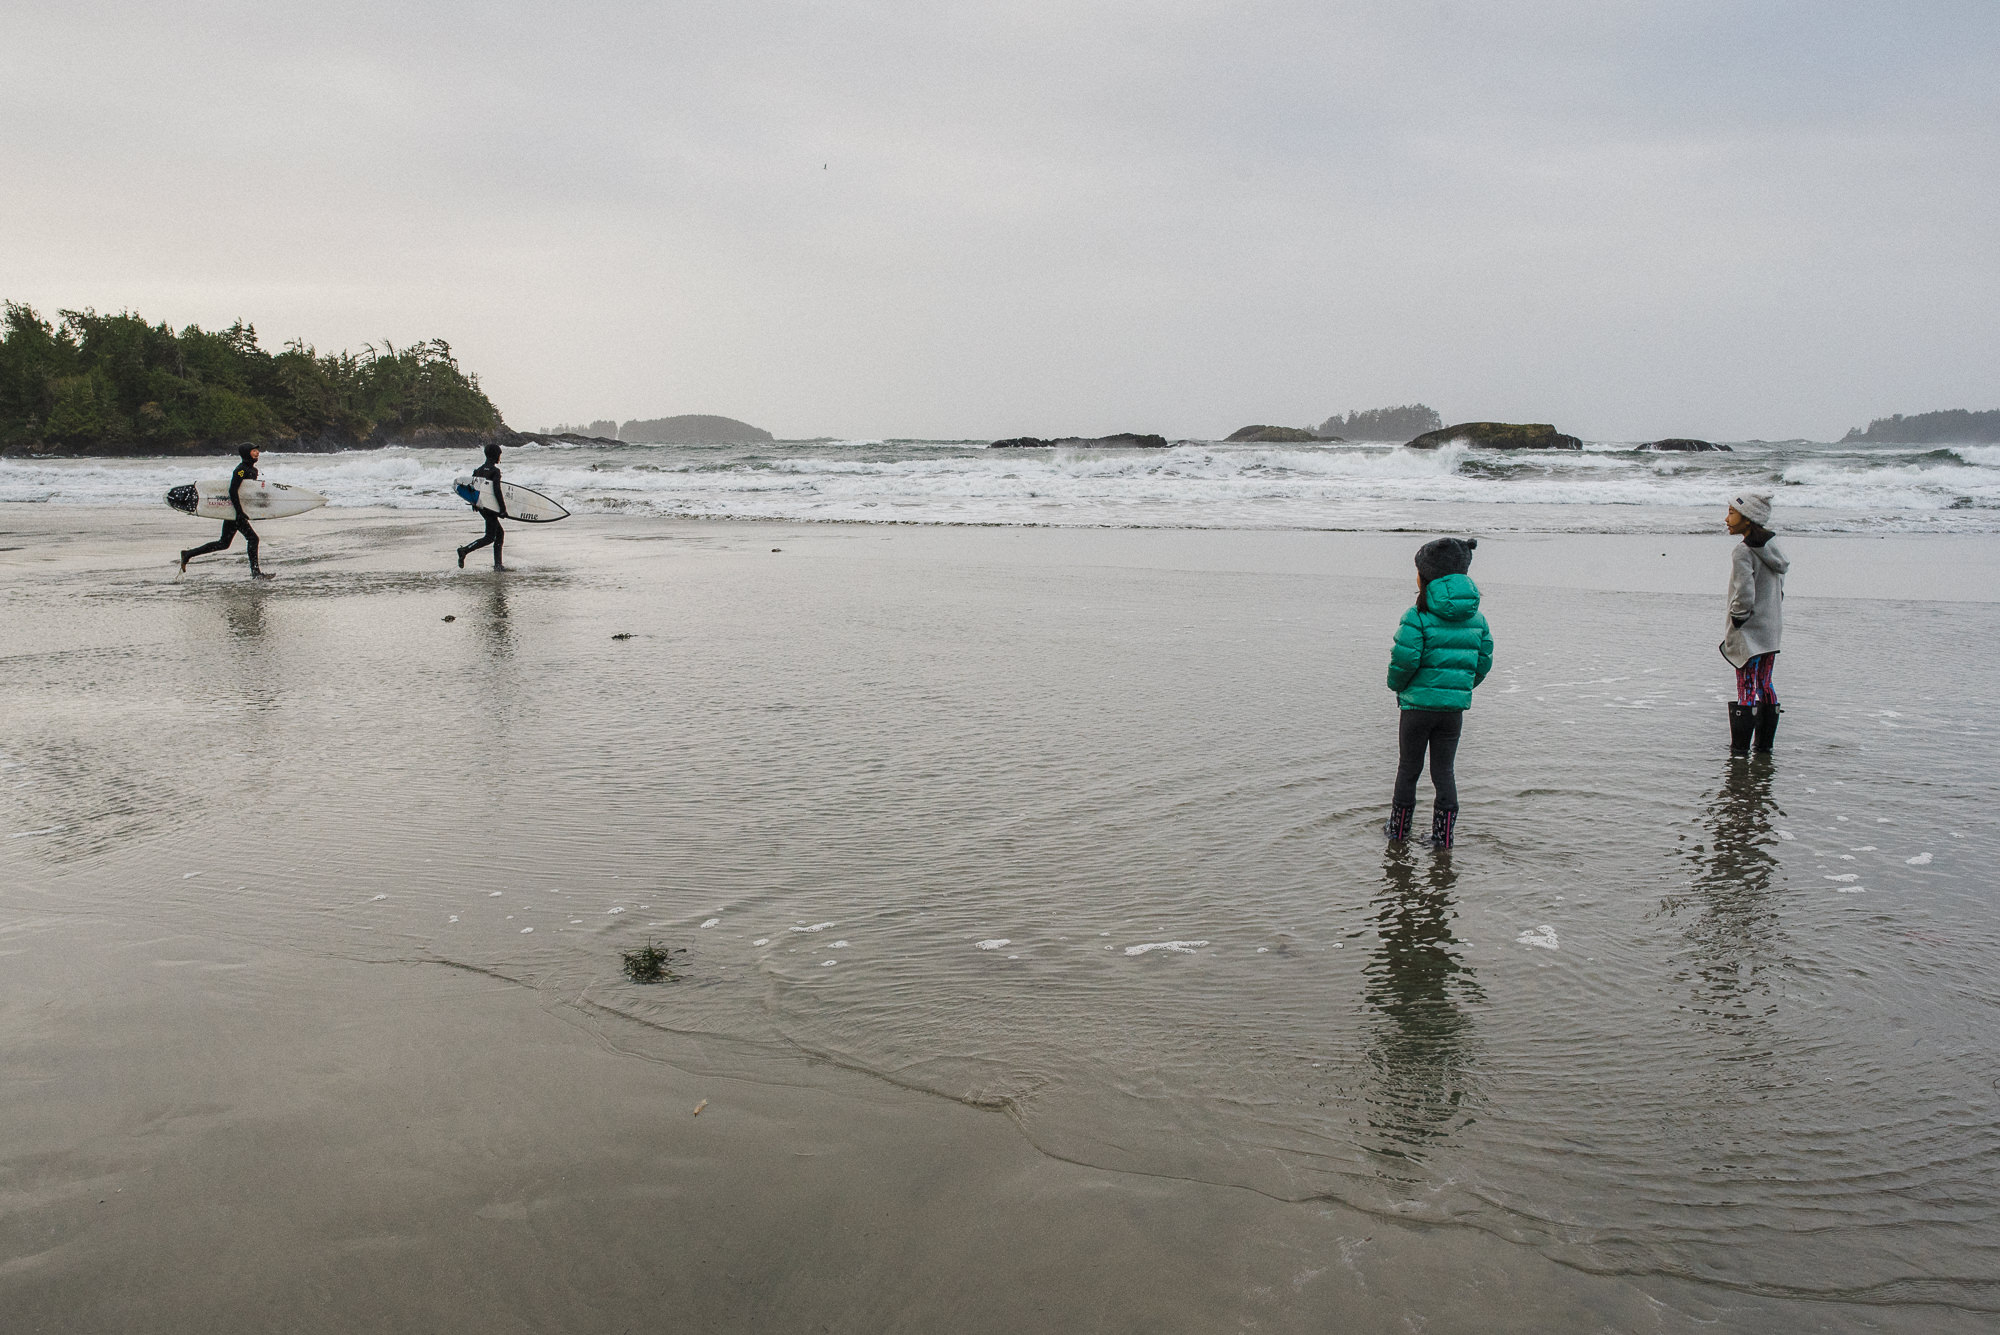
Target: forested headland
<point>1954,426</point>
<point>1412,419</point>
<point>93,384</point>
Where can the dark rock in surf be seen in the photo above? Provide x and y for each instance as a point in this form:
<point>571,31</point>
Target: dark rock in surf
<point>1682,443</point>
<point>1499,436</point>
<point>1124,440</point>
<point>1274,435</point>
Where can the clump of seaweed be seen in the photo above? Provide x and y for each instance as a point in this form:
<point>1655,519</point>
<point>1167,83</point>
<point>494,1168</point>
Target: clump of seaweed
<point>649,964</point>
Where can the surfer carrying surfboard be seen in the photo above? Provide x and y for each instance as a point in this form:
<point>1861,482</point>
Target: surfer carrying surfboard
<point>490,470</point>
<point>246,471</point>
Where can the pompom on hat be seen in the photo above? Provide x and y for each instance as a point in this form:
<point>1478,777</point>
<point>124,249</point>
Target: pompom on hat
<point>1754,506</point>
<point>1444,556</point>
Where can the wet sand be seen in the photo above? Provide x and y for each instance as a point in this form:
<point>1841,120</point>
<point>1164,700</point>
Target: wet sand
<point>261,1109</point>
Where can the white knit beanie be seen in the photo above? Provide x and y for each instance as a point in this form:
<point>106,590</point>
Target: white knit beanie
<point>1754,506</point>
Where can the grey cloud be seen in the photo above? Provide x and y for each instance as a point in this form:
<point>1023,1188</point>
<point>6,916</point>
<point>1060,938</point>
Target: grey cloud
<point>1037,218</point>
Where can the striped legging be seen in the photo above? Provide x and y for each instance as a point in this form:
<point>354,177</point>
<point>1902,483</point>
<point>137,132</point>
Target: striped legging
<point>1753,681</point>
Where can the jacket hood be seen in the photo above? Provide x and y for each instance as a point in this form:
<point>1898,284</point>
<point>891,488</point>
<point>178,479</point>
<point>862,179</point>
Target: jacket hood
<point>1771,556</point>
<point>1453,597</point>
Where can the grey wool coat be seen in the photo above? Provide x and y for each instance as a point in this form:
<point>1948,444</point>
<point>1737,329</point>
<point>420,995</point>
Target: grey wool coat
<point>1756,619</point>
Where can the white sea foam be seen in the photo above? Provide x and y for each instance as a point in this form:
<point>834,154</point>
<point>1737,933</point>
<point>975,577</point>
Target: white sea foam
<point>1920,860</point>
<point>994,944</point>
<point>1175,947</point>
<point>1543,936</point>
<point>1820,487</point>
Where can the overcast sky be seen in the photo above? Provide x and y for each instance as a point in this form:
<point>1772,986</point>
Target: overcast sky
<point>1749,218</point>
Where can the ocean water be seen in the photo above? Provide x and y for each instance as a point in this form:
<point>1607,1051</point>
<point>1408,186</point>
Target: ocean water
<point>1084,828</point>
<point>1603,488</point>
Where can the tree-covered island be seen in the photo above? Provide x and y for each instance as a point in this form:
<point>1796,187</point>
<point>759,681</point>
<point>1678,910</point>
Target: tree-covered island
<point>95,384</point>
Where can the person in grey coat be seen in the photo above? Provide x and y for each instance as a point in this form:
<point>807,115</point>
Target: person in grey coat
<point>1756,621</point>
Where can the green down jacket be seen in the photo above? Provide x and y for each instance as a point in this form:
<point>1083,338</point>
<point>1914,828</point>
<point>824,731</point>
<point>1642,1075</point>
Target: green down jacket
<point>1441,654</point>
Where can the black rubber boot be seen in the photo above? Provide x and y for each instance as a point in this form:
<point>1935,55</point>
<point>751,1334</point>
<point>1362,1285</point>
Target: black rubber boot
<point>1742,723</point>
<point>1767,726</point>
<point>1397,827</point>
<point>1442,825</point>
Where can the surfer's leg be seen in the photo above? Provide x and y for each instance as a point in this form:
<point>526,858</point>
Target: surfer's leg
<point>480,541</point>
<point>499,537</point>
<point>228,534</point>
<point>250,539</point>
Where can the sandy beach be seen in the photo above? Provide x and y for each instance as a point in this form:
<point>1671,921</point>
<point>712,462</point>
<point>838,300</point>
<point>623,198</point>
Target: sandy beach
<point>1044,967</point>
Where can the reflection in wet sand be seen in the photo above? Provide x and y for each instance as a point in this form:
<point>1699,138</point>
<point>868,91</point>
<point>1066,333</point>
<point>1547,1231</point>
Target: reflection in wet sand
<point>1730,913</point>
<point>1421,1050</point>
<point>242,643</point>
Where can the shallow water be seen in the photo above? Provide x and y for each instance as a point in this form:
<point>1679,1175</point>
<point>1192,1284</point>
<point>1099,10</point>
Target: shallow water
<point>1085,826</point>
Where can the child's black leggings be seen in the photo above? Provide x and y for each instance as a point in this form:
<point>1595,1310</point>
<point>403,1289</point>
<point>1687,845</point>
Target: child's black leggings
<point>1438,730</point>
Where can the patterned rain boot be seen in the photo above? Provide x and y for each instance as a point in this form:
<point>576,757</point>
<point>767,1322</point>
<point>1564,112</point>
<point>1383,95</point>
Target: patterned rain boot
<point>1442,825</point>
<point>1397,827</point>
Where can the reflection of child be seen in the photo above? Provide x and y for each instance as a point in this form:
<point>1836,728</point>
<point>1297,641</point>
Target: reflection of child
<point>1443,649</point>
<point>1756,620</point>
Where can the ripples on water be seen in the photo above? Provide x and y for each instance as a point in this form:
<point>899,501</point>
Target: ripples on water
<point>1822,488</point>
<point>1101,846</point>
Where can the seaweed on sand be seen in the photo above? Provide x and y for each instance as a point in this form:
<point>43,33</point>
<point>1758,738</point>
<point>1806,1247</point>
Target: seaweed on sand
<point>649,964</point>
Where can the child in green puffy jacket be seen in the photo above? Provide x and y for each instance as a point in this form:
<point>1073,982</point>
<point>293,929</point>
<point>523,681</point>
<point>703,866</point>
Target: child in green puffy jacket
<point>1443,649</point>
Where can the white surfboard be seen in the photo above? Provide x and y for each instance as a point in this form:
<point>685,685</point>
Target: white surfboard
<point>530,507</point>
<point>262,499</point>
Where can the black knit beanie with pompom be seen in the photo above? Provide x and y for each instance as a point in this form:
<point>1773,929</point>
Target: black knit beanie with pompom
<point>1445,556</point>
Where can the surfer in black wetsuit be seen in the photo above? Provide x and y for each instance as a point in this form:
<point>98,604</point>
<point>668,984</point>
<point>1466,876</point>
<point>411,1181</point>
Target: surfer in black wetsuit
<point>246,471</point>
<point>490,470</point>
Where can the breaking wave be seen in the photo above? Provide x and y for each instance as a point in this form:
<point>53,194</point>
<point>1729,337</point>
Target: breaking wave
<point>1825,488</point>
